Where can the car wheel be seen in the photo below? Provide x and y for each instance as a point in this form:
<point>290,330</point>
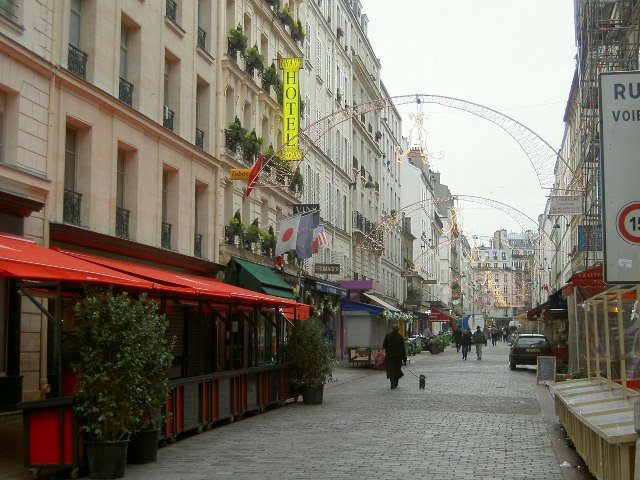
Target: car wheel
<point>512,365</point>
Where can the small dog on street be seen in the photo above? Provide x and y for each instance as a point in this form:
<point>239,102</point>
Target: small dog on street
<point>421,381</point>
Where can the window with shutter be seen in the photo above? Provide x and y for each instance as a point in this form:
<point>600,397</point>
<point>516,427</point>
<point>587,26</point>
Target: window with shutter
<point>329,68</point>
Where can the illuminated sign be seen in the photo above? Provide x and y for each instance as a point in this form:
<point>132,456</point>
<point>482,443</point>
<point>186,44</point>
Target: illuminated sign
<point>290,107</point>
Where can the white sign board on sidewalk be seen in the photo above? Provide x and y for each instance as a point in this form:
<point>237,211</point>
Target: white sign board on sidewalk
<point>620,171</point>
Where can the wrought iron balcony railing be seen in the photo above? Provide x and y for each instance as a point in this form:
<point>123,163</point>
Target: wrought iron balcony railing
<point>357,221</point>
<point>172,10</point>
<point>167,117</point>
<point>125,92</point>
<point>77,62</point>
<point>122,222</point>
<point>197,245</point>
<point>165,236</point>
<point>202,38</point>
<point>199,139</point>
<point>71,207</point>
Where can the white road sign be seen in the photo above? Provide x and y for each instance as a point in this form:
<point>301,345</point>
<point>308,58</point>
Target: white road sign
<point>620,171</point>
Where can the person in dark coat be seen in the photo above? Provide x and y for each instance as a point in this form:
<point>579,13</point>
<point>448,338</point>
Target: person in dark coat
<point>457,338</point>
<point>480,339</point>
<point>395,355</point>
<point>466,343</point>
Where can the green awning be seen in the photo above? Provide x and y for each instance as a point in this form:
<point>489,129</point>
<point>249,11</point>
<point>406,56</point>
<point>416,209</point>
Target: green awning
<point>258,278</point>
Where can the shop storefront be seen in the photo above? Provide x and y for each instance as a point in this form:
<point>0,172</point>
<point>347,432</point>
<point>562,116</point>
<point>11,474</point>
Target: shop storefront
<point>227,357</point>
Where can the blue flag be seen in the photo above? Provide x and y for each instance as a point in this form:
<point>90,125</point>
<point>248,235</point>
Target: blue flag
<point>305,235</point>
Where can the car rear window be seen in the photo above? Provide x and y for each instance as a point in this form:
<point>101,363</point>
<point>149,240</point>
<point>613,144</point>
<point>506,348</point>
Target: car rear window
<point>532,342</point>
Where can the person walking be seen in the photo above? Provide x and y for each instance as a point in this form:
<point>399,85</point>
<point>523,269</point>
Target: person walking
<point>457,338</point>
<point>466,343</point>
<point>480,340</point>
<point>395,355</point>
<point>493,331</point>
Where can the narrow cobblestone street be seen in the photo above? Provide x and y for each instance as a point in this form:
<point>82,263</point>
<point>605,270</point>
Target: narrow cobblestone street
<point>475,420</point>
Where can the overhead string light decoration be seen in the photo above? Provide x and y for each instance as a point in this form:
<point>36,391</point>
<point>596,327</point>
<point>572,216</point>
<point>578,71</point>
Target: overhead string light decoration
<point>417,139</point>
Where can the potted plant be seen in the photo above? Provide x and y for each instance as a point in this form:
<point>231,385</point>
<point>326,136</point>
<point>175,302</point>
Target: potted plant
<point>252,235</point>
<point>254,60</point>
<point>251,144</point>
<point>237,39</point>
<point>155,354</point>
<point>297,32</point>
<point>235,225</point>
<point>270,77</point>
<point>268,241</point>
<point>235,134</point>
<point>312,353</point>
<point>285,16</point>
<point>112,368</point>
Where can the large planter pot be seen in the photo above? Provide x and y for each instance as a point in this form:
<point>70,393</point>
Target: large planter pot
<point>106,459</point>
<point>143,447</point>
<point>312,395</point>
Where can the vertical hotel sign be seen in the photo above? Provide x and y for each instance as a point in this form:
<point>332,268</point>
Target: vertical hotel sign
<point>290,106</point>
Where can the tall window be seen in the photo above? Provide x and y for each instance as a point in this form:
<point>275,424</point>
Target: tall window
<point>72,198</point>
<point>167,81</point>
<point>120,178</point>
<point>124,46</point>
<point>165,196</point>
<point>10,9</point>
<point>122,213</point>
<point>71,159</point>
<point>307,43</point>
<point>74,23</point>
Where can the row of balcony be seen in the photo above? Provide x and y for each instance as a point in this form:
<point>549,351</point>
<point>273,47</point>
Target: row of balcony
<point>362,224</point>
<point>78,66</point>
<point>71,214</point>
<point>249,241</point>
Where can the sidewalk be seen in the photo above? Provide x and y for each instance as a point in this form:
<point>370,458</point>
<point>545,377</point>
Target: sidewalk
<point>474,420</point>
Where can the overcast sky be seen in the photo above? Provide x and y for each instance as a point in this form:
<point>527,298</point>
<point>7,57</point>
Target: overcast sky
<point>514,56</point>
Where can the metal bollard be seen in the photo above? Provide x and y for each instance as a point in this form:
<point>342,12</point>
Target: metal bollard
<point>636,426</point>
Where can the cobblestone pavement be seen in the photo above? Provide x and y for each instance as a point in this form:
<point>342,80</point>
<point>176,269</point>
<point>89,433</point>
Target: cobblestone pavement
<point>476,419</point>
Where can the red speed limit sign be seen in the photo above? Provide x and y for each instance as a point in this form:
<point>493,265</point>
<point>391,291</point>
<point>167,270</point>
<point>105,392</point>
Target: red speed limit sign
<point>628,222</point>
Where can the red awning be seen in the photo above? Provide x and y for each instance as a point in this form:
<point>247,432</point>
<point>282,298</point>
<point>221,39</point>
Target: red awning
<point>592,277</point>
<point>23,258</point>
<point>197,284</point>
<point>536,312</point>
<point>437,315</point>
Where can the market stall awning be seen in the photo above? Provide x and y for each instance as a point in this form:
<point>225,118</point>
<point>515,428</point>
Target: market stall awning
<point>259,278</point>
<point>438,315</point>
<point>23,258</point>
<point>348,305</point>
<point>194,284</point>
<point>381,302</point>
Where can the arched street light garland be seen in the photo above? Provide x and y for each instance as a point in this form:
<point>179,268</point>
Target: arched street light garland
<point>542,156</point>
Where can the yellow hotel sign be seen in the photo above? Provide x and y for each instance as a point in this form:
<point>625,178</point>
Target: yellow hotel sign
<point>240,173</point>
<point>290,107</point>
